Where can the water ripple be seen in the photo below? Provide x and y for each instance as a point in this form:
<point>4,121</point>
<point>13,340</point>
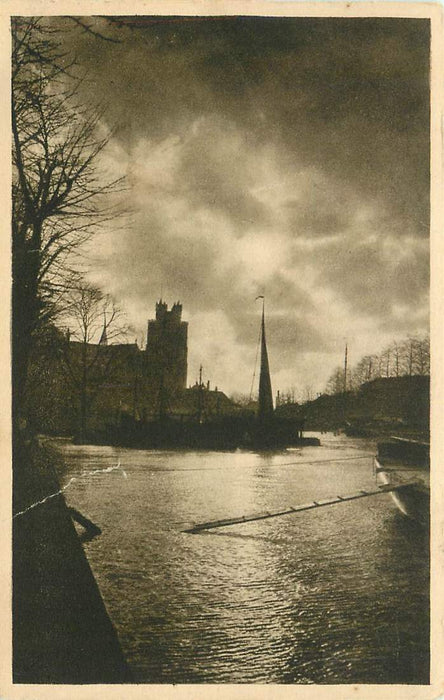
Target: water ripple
<point>338,595</point>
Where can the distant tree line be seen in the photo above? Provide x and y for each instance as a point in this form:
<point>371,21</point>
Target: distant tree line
<point>407,357</point>
<point>291,395</point>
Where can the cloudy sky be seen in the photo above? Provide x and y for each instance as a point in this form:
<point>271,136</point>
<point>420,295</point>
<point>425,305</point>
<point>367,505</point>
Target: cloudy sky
<point>285,157</point>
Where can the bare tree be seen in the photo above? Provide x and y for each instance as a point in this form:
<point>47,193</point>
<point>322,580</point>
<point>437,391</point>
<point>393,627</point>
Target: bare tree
<point>335,384</point>
<point>288,396</point>
<point>410,355</point>
<point>88,356</point>
<point>418,354</point>
<point>58,193</point>
<point>308,394</point>
<point>363,371</point>
<point>385,361</point>
<point>244,400</point>
<point>407,357</point>
<point>395,352</point>
<point>422,360</point>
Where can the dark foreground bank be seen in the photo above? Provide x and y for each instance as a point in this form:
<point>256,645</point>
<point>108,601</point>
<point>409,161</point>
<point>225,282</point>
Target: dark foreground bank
<point>61,629</point>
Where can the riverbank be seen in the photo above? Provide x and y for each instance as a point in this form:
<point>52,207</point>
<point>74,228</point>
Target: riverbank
<point>379,408</point>
<point>61,630</point>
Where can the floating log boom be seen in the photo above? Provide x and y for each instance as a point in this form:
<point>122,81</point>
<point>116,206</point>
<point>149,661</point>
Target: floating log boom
<point>296,509</point>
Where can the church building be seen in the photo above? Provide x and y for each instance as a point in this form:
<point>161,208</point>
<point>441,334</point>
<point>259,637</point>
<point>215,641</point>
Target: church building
<point>94,386</point>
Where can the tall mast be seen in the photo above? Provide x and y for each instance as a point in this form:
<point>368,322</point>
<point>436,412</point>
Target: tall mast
<point>265,393</point>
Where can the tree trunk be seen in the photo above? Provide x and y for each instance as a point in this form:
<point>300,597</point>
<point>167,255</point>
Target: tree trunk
<point>83,395</point>
<point>25,314</point>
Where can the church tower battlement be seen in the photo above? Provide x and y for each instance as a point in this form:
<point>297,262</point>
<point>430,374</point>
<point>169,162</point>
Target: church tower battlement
<point>161,309</point>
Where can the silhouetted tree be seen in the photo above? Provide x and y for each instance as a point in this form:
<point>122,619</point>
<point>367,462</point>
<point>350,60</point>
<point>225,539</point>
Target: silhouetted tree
<point>57,190</point>
<point>422,356</point>
<point>87,354</point>
<point>335,384</point>
<point>410,356</point>
<point>308,393</point>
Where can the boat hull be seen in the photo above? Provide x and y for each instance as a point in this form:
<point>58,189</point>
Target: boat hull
<point>411,500</point>
<point>409,470</point>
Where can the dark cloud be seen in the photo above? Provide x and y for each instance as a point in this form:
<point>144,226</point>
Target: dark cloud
<point>293,334</point>
<point>321,210</point>
<point>286,294</point>
<point>347,96</point>
<point>402,325</point>
<point>289,316</point>
<point>289,335</point>
<point>374,280</point>
<point>285,155</point>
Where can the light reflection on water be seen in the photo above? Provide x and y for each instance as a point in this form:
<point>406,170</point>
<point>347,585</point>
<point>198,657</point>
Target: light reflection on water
<point>336,595</point>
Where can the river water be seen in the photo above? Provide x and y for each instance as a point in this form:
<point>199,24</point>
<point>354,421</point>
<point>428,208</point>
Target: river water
<point>333,595</point>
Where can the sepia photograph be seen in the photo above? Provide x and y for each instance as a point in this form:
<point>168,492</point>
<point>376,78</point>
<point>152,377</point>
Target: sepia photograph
<point>220,342</point>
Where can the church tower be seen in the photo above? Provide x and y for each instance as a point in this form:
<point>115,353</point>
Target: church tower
<point>166,352</point>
